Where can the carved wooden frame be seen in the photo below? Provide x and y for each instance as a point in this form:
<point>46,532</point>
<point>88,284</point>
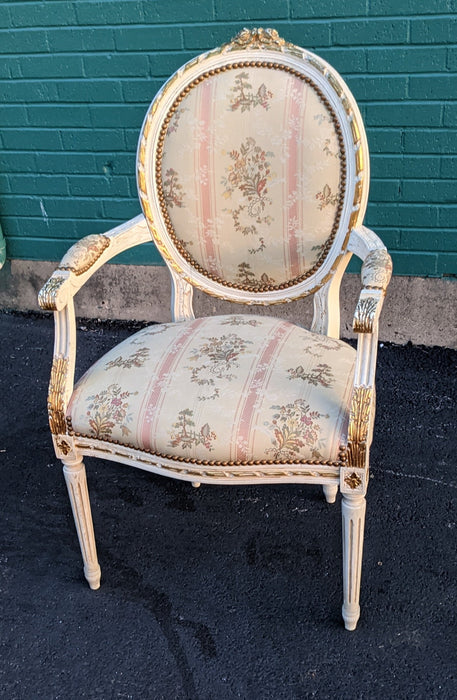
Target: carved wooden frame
<point>351,471</point>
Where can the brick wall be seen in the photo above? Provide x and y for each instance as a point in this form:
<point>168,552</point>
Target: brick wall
<point>76,78</point>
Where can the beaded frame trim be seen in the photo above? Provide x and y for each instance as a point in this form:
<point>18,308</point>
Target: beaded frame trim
<point>158,176</point>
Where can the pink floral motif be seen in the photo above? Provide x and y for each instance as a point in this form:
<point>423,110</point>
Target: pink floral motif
<point>326,197</point>
<point>322,374</point>
<point>172,190</point>
<point>107,409</point>
<point>294,426</point>
<point>137,359</point>
<point>185,436</point>
<point>244,99</point>
<point>249,173</point>
<point>222,354</point>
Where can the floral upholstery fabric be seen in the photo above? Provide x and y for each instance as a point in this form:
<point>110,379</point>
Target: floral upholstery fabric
<point>377,269</point>
<point>84,253</point>
<point>251,176</point>
<point>235,388</point>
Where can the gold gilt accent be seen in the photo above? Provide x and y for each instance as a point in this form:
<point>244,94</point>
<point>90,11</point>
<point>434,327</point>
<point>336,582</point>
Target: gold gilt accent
<point>55,396</point>
<point>63,446</point>
<point>358,426</point>
<point>353,480</point>
<point>257,38</point>
<point>364,315</point>
<point>47,294</point>
<point>84,253</point>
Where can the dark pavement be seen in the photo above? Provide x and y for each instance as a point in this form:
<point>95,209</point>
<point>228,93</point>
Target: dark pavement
<point>226,592</point>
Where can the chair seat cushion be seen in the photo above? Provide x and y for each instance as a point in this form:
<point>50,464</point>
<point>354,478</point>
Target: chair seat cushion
<point>225,389</point>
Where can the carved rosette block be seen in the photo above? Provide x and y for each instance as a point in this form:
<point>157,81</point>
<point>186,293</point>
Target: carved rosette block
<point>359,418</point>
<point>353,481</point>
<point>48,293</point>
<point>364,315</point>
<point>353,521</point>
<point>56,411</point>
<point>75,478</point>
<point>64,447</point>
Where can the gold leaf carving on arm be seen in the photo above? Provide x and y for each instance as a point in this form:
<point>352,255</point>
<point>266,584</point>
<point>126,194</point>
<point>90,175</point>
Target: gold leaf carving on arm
<point>358,426</point>
<point>56,413</point>
<point>364,315</point>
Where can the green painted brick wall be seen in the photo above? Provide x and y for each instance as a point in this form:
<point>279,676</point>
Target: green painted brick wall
<point>77,77</point>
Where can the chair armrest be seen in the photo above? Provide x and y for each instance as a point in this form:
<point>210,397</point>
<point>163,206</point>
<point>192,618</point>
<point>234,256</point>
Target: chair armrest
<point>85,257</point>
<point>375,276</point>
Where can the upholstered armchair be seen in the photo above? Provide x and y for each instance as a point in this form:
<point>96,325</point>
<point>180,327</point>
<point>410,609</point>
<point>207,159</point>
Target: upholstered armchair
<point>253,177</point>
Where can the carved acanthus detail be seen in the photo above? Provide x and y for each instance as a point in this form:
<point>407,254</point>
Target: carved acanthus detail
<point>364,315</point>
<point>56,396</point>
<point>359,417</point>
<point>47,294</point>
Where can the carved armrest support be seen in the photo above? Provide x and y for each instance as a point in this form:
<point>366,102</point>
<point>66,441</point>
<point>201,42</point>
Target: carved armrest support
<point>85,257</point>
<point>354,473</point>
<point>54,293</point>
<point>376,273</point>
<point>367,311</point>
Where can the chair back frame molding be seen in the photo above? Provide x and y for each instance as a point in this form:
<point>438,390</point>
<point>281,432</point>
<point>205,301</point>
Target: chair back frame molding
<point>276,56</point>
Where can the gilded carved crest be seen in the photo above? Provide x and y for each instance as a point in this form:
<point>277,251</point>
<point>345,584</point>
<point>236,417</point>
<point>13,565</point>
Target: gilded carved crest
<point>257,38</point>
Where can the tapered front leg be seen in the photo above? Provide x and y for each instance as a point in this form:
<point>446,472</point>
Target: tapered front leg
<point>75,477</point>
<point>353,512</point>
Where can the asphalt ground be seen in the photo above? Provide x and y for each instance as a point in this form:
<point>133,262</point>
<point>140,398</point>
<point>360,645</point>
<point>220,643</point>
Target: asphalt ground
<point>226,592</point>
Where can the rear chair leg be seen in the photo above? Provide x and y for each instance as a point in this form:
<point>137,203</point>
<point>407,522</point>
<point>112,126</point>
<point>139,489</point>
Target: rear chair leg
<point>75,477</point>
<point>353,512</point>
<point>330,491</point>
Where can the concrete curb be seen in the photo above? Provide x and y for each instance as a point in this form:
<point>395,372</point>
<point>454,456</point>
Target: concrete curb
<point>420,310</point>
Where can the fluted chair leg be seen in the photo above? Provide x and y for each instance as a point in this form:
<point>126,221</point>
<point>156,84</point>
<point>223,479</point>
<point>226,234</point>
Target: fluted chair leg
<point>330,491</point>
<point>353,513</point>
<point>75,477</point>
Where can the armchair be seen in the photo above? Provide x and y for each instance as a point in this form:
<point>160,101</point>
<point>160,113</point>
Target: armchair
<point>253,177</point>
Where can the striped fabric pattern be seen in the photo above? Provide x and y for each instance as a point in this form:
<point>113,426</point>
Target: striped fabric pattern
<point>235,388</point>
<point>251,175</point>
